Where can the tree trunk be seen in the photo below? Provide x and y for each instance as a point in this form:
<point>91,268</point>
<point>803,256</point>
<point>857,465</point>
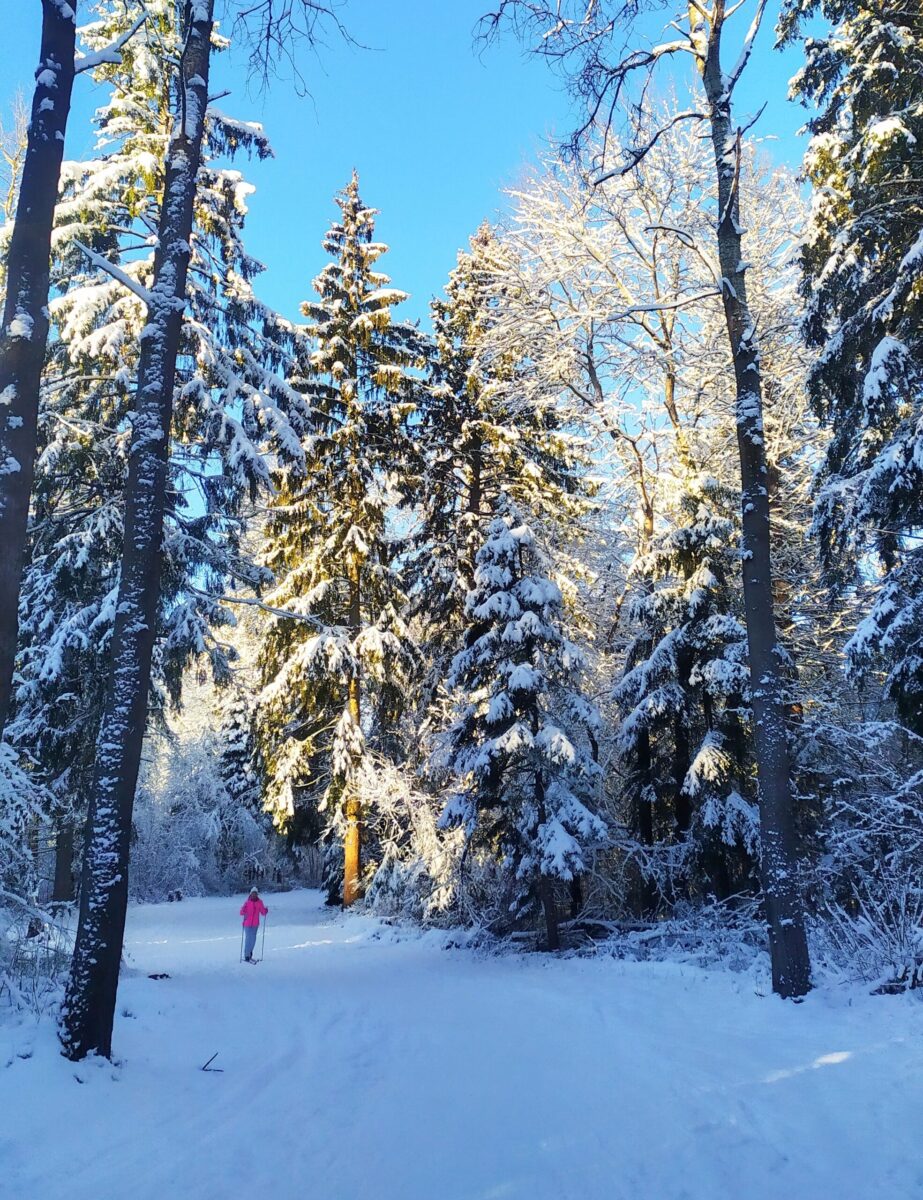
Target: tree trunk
<point>644,790</point>
<point>473,458</point>
<point>89,1005</point>
<point>787,941</point>
<point>352,849</point>
<point>64,862</point>
<point>575,891</point>
<point>352,843</point>
<point>545,888</point>
<point>546,894</point>
<point>681,762</point>
<point>24,331</point>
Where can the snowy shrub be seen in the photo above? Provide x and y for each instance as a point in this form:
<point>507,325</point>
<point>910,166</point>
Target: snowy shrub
<point>720,935</point>
<point>21,814</point>
<point>35,952</point>
<point>879,938</point>
<point>190,835</point>
<point>416,870</point>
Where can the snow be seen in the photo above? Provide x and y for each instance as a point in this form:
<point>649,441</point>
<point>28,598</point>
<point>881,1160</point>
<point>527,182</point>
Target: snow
<point>21,326</point>
<point>359,1059</point>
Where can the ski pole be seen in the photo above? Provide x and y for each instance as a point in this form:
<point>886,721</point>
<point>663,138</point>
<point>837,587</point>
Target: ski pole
<point>263,943</point>
<point>241,944</point>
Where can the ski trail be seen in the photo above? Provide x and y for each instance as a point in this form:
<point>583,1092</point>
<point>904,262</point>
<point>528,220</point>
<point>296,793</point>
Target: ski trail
<point>357,1059</point>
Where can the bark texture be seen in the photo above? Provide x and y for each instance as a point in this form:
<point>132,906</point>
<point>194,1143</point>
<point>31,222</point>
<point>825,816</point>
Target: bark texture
<point>89,1006</point>
<point>352,845</point>
<point>352,842</point>
<point>63,863</point>
<point>24,329</point>
<point>791,974</point>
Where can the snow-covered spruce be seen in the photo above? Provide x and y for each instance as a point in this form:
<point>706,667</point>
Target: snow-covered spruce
<point>230,407</point>
<point>335,674</point>
<point>482,436</point>
<point>862,262</point>
<point>521,745</point>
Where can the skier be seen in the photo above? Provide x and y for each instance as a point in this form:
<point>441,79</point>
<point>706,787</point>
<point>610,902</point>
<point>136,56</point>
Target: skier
<point>253,908</point>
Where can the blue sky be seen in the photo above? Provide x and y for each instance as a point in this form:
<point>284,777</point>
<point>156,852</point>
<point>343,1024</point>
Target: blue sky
<point>435,125</point>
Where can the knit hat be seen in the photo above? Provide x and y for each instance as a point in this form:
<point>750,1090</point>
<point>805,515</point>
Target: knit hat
<point>254,892</point>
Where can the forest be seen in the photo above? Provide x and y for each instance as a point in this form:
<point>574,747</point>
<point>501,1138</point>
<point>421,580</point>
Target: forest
<point>583,618</point>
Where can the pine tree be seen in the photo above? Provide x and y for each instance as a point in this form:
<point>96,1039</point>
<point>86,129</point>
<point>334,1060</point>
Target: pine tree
<point>862,266</point>
<point>521,744</point>
<point>336,677</point>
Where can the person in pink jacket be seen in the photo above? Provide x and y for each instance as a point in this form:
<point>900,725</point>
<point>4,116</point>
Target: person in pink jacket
<point>253,909</point>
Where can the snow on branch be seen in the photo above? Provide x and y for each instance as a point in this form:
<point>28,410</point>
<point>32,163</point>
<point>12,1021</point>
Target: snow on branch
<point>111,53</point>
<point>255,602</point>
<point>636,154</point>
<point>665,305</point>
<point>115,272</point>
<point>747,48</point>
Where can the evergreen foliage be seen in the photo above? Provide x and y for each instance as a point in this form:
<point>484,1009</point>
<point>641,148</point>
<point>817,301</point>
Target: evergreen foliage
<point>230,406</point>
<point>863,288</point>
<point>336,671</point>
<point>521,745</point>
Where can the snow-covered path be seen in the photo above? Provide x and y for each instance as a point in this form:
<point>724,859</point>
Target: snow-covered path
<point>360,1062</point>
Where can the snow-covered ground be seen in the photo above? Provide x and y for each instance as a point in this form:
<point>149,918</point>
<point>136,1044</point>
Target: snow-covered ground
<point>357,1061</point>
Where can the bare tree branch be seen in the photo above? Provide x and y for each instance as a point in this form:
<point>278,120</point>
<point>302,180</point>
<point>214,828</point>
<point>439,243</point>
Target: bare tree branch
<point>273,32</point>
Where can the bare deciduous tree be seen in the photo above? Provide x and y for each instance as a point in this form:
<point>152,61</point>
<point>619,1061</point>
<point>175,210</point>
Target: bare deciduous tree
<point>588,40</point>
<point>14,140</point>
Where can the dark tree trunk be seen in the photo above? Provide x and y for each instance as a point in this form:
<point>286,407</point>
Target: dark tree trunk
<point>791,973</point>
<point>64,862</point>
<point>644,789</point>
<point>575,891</point>
<point>89,1005</point>
<point>545,886</point>
<point>473,459</point>
<point>681,764</point>
<point>24,331</point>
<point>546,894</point>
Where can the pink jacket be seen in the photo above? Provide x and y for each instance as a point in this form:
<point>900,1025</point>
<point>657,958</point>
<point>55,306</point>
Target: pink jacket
<point>252,911</point>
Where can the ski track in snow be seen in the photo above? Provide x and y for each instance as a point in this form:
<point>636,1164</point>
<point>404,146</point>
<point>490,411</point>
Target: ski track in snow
<point>361,1060</point>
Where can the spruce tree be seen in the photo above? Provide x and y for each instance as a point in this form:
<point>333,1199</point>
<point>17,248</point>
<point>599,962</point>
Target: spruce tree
<point>229,404</point>
<point>521,746</point>
<point>685,689</point>
<point>335,677</point>
<point>862,264</point>
<point>484,438</point>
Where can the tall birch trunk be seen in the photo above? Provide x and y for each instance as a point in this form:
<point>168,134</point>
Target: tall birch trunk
<point>89,1005</point>
<point>24,329</point>
<point>791,975</point>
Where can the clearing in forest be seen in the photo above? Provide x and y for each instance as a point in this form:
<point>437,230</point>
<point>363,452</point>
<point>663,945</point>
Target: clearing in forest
<point>362,1060</point>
